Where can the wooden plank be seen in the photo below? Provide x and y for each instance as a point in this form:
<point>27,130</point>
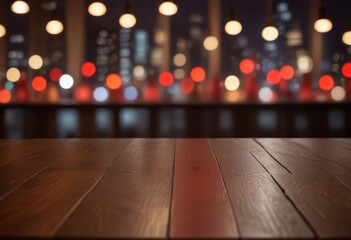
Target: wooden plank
<point>200,204</point>
<point>93,154</point>
<point>39,206</point>
<point>132,199</point>
<point>261,208</point>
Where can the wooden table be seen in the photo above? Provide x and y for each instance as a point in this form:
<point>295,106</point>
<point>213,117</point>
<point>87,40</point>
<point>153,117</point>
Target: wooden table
<point>184,188</point>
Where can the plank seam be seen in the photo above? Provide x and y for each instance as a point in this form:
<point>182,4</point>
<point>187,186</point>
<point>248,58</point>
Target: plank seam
<point>171,201</point>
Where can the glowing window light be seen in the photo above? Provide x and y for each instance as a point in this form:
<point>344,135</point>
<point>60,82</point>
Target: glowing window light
<point>232,83</point>
<point>338,93</point>
<point>198,74</point>
<point>187,86</point>
<point>55,74</point>
<point>131,93</point>
<point>66,81</point>
<point>35,62</point>
<point>287,72</point>
<point>88,69</point>
<point>97,9</point>
<point>179,60</point>
<point>265,94</point>
<point>247,66</point>
<point>211,43</point>
<point>2,30</point>
<point>54,27</point>
<point>326,82</point>
<point>168,8</point>
<point>20,7</point>
<point>270,33</point>
<point>166,79</point>
<point>233,27</point>
<point>139,72</point>
<point>100,94</point>
<point>304,64</point>
<point>273,77</point>
<point>127,20</point>
<point>13,74</point>
<point>39,84</point>
<point>346,38</point>
<point>83,93</point>
<point>346,70</point>
<point>5,96</point>
<point>113,81</point>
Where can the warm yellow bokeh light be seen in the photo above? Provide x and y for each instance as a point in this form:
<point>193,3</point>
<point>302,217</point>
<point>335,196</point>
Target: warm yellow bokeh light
<point>20,7</point>
<point>346,38</point>
<point>323,25</point>
<point>2,31</point>
<point>232,83</point>
<point>127,20</point>
<point>35,62</point>
<point>304,64</point>
<point>179,60</point>
<point>54,27</point>
<point>211,43</point>
<point>270,33</point>
<point>168,8</point>
<point>13,74</point>
<point>338,93</point>
<point>233,27</point>
<point>97,9</point>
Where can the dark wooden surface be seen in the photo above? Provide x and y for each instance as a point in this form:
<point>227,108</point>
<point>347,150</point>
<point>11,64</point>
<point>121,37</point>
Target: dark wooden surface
<point>175,188</point>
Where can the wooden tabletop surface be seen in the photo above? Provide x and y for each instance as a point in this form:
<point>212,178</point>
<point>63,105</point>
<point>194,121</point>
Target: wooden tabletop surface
<point>175,188</point>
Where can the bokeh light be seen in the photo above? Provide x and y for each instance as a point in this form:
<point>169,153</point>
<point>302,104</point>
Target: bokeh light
<point>127,20</point>
<point>338,93</point>
<point>35,62</point>
<point>233,27</point>
<point>66,81</point>
<point>9,85</point>
<point>247,66</point>
<point>211,43</point>
<point>13,74</point>
<point>287,72</point>
<point>100,94</point>
<point>323,25</point>
<point>265,94</point>
<point>113,81</point>
<point>187,86</point>
<point>54,27</point>
<point>346,70</point>
<point>179,59</point>
<point>39,84</point>
<point>55,74</point>
<point>273,77</point>
<point>139,72</point>
<point>179,73</point>
<point>232,83</point>
<point>88,69</point>
<point>97,9</point>
<point>304,64</point>
<point>326,82</point>
<point>131,93</point>
<point>20,7</point>
<point>168,8</point>
<point>166,79</point>
<point>83,93</point>
<point>5,96</point>
<point>346,38</point>
<point>270,33</point>
<point>198,74</point>
<point>2,30</point>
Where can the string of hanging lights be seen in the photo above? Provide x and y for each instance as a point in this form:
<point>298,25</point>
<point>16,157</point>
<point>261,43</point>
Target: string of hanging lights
<point>270,32</point>
<point>233,26</point>
<point>323,24</point>
<point>127,20</point>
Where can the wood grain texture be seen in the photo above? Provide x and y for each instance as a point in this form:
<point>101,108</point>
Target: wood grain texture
<point>261,209</point>
<point>37,208</point>
<point>200,204</point>
<point>132,199</point>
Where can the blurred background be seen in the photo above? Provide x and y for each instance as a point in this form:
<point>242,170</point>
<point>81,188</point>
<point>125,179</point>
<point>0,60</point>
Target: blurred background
<point>157,68</point>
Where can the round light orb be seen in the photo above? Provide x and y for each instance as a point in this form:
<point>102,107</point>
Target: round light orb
<point>54,27</point>
<point>323,25</point>
<point>233,27</point>
<point>338,93</point>
<point>168,8</point>
<point>97,9</point>
<point>211,43</point>
<point>179,59</point>
<point>304,64</point>
<point>139,72</point>
<point>20,7</point>
<point>100,94</point>
<point>270,33</point>
<point>179,73</point>
<point>131,93</point>
<point>265,94</point>
<point>66,81</point>
<point>127,20</point>
<point>346,38</point>
<point>232,83</point>
<point>13,74</point>
<point>35,62</point>
<point>2,30</point>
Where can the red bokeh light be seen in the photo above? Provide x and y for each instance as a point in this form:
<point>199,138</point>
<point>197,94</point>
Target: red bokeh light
<point>346,70</point>
<point>326,82</point>
<point>88,69</point>
<point>83,93</point>
<point>39,84</point>
<point>166,79</point>
<point>273,77</point>
<point>287,72</point>
<point>198,74</point>
<point>5,96</point>
<point>55,74</point>
<point>187,86</point>
<point>113,81</point>
<point>247,66</point>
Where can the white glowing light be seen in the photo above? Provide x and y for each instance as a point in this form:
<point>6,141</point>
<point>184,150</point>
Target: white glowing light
<point>211,43</point>
<point>127,20</point>
<point>232,83</point>
<point>338,93</point>
<point>270,33</point>
<point>304,64</point>
<point>265,94</point>
<point>66,81</point>
<point>35,62</point>
<point>323,25</point>
<point>100,94</point>
<point>168,8</point>
<point>131,93</point>
<point>13,74</point>
<point>139,72</point>
<point>97,9</point>
<point>233,27</point>
<point>20,7</point>
<point>54,27</point>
